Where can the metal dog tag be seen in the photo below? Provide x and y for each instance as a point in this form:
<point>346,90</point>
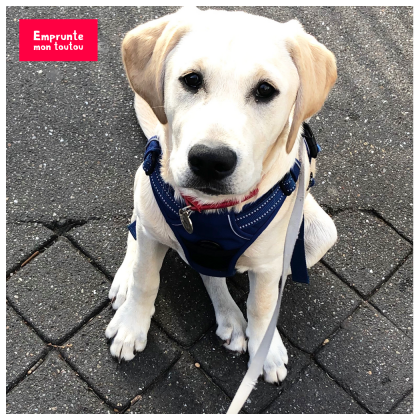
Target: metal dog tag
<point>184,215</point>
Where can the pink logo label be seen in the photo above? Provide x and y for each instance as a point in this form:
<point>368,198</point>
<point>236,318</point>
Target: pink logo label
<point>58,40</point>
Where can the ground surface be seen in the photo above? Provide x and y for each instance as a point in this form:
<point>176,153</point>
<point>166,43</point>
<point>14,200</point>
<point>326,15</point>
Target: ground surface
<point>73,146</point>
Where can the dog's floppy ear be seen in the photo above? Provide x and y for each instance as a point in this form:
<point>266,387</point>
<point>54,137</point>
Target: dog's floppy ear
<point>144,50</point>
<point>317,73</point>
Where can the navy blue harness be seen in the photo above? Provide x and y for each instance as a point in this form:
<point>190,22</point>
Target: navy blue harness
<point>220,238</point>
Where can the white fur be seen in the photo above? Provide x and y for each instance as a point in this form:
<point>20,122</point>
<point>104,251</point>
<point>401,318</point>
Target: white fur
<point>225,117</point>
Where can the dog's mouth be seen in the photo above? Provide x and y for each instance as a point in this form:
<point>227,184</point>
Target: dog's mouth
<point>199,193</point>
<point>209,188</point>
<point>211,191</point>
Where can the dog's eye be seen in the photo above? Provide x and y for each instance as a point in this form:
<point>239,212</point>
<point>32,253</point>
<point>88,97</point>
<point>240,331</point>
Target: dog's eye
<point>193,80</point>
<point>265,91</point>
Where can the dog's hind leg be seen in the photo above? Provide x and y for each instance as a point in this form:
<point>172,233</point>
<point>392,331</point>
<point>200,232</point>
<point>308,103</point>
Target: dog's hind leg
<point>320,231</point>
<point>231,324</point>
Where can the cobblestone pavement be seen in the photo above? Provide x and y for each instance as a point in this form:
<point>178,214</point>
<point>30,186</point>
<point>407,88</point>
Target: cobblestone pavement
<point>73,146</point>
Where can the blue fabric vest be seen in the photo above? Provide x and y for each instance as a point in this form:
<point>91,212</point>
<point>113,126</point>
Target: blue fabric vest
<point>220,238</point>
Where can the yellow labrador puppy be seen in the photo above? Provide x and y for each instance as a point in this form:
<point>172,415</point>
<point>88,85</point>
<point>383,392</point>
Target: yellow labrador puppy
<point>232,88</point>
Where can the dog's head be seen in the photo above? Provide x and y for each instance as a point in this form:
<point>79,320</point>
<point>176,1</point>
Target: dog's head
<point>233,89</point>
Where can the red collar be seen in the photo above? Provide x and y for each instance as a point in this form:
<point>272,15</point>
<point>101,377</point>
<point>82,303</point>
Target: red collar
<point>196,206</point>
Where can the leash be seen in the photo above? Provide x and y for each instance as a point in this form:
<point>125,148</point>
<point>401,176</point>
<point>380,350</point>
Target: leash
<point>254,370</point>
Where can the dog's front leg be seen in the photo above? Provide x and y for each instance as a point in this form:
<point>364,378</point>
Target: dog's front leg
<point>118,290</point>
<point>231,323</point>
<point>261,302</point>
<point>131,322</point>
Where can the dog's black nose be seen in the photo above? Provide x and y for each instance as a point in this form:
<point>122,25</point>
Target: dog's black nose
<point>212,163</point>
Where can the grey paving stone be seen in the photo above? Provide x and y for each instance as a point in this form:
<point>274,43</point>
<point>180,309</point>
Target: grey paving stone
<point>183,306</point>
<point>183,390</point>
<point>22,240</point>
<point>53,388</point>
<point>314,393</point>
<point>57,291</point>
<point>349,175</point>
<point>367,251</point>
<point>371,359</point>
<point>405,406</point>
<point>117,383</point>
<point>227,370</point>
<point>310,313</point>
<point>23,347</point>
<point>395,298</point>
<point>105,241</point>
<point>74,140</point>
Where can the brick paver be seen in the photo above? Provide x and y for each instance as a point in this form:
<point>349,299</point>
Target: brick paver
<point>58,291</point>
<point>315,393</point>
<point>103,240</point>
<point>54,388</point>
<point>23,347</point>
<point>405,406</point>
<point>118,383</point>
<point>371,359</point>
<point>22,240</point>
<point>362,237</point>
<point>395,298</point>
<point>185,389</point>
<point>310,313</point>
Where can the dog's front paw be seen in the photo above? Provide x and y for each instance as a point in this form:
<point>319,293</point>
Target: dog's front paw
<point>274,370</point>
<point>129,328</point>
<point>231,329</point>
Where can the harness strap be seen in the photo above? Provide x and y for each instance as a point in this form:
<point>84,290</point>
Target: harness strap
<point>215,252</point>
<point>298,263</point>
<point>311,144</point>
<point>132,228</point>
<point>152,154</point>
